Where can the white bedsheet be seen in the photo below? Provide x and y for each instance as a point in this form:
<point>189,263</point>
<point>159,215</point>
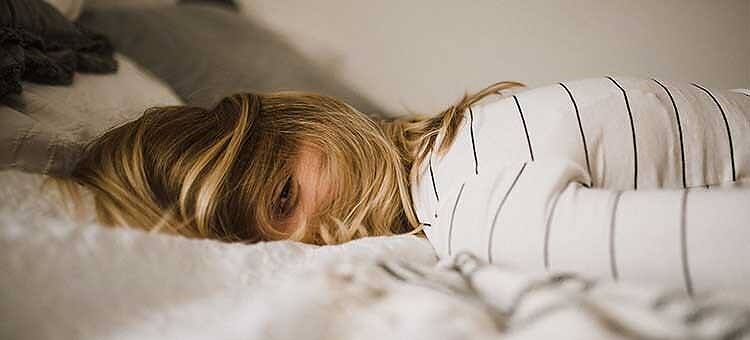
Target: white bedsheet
<point>65,280</point>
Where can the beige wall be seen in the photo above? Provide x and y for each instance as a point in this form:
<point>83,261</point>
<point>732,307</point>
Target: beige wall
<point>422,54</point>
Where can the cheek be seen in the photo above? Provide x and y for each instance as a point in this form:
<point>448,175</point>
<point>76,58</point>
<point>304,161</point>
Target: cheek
<point>292,223</point>
<point>312,188</point>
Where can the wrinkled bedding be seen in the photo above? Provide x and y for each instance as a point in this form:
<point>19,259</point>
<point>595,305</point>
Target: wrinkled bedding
<point>66,279</point>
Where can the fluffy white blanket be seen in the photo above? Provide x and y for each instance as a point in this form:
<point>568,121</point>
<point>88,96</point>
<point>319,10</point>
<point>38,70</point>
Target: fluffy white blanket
<point>65,280</point>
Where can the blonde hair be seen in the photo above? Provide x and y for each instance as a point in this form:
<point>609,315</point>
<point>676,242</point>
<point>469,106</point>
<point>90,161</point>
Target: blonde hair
<point>218,173</point>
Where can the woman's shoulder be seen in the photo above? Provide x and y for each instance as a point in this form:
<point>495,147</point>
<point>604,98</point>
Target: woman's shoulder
<point>573,95</point>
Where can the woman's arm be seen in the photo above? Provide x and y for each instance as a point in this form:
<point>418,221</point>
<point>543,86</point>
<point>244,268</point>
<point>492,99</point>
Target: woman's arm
<point>698,238</point>
<point>538,216</point>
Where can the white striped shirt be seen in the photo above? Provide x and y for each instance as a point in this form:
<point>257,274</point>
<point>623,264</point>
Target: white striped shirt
<point>633,179</point>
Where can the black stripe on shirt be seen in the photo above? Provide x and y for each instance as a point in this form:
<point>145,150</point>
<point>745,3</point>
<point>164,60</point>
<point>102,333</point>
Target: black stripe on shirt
<point>497,212</point>
<point>432,176</point>
<point>612,243</point>
<point>525,129</point>
<point>679,129</point>
<point>434,185</point>
<point>726,124</point>
<point>473,143</point>
<point>580,129</point>
<point>632,130</point>
<point>453,216</point>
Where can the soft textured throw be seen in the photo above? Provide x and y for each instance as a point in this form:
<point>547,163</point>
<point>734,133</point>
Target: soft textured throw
<point>63,279</point>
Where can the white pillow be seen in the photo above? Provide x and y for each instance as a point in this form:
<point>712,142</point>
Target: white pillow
<point>42,129</point>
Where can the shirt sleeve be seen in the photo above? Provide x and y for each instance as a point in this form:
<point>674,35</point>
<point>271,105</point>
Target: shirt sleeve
<point>541,216</point>
<point>694,239</point>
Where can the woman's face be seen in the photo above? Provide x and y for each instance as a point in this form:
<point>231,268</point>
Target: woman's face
<point>304,192</point>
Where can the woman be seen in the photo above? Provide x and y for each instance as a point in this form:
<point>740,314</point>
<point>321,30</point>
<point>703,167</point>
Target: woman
<point>598,175</point>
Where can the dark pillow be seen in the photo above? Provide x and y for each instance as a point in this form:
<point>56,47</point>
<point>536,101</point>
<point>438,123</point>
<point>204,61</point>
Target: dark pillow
<point>206,52</point>
<point>39,44</point>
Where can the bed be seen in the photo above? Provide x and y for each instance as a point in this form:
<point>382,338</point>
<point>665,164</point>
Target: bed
<point>67,279</point>
<point>63,276</point>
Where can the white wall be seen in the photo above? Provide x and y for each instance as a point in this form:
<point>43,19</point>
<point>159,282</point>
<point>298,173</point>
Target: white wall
<point>422,54</point>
